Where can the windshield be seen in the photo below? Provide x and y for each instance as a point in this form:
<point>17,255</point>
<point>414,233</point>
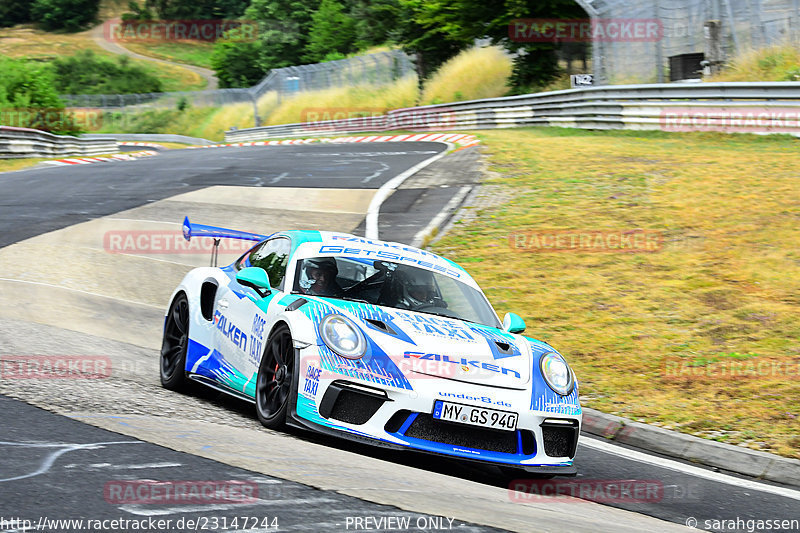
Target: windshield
<point>392,285</point>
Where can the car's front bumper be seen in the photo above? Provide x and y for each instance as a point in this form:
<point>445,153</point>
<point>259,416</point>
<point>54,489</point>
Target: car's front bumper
<point>544,441</point>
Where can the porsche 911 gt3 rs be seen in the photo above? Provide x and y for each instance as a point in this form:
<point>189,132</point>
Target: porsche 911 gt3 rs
<point>374,341</point>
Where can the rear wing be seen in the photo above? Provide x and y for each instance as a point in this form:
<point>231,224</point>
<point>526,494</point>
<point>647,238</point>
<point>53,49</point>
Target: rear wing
<point>199,230</point>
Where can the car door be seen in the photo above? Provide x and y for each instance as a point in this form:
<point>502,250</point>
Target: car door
<point>241,317</point>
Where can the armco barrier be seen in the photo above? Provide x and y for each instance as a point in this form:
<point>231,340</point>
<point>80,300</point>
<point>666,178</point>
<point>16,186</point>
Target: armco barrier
<point>147,137</point>
<point>761,108</point>
<point>24,142</point>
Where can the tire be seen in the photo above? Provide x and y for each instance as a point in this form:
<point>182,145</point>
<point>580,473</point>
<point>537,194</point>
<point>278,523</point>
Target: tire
<point>276,375</point>
<point>172,362</point>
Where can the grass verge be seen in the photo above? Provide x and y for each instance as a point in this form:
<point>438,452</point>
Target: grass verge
<point>10,165</point>
<point>701,335</point>
<point>25,41</point>
<point>189,52</point>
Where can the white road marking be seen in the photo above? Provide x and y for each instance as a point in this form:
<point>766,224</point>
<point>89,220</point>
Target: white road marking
<point>48,462</point>
<point>687,469</point>
<point>205,508</point>
<point>82,292</point>
<point>371,231</point>
<point>142,220</point>
<point>127,467</point>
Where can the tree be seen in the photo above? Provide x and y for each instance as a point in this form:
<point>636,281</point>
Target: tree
<point>15,12</point>
<point>445,25</point>
<point>376,21</point>
<point>69,15</point>
<point>420,32</point>
<point>232,60</point>
<point>198,9</point>
<point>283,29</point>
<point>332,31</point>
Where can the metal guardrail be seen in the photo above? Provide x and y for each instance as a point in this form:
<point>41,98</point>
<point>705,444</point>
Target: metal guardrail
<point>733,107</point>
<point>147,137</point>
<point>24,142</point>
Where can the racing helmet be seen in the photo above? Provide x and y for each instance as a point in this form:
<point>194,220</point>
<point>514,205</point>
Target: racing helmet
<point>414,287</point>
<point>327,264</point>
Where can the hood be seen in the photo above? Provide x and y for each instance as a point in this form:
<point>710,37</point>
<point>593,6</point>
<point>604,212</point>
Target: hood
<point>423,346</point>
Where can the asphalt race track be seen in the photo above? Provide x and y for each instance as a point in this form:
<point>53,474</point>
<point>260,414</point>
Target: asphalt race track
<point>64,290</point>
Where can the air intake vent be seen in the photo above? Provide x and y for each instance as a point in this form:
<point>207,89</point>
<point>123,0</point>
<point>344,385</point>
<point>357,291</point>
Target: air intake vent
<point>427,428</point>
<point>354,404</point>
<point>381,326</point>
<point>505,348</point>
<point>560,438</point>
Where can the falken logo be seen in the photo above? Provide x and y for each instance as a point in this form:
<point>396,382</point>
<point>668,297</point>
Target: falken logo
<point>463,361</point>
<point>229,330</point>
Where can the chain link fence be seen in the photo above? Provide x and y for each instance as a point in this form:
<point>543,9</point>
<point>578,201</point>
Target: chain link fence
<point>742,25</point>
<point>373,69</point>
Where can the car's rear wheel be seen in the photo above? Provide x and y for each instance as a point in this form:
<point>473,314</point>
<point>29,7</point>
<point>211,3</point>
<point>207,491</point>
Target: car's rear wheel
<point>276,374</point>
<point>174,345</point>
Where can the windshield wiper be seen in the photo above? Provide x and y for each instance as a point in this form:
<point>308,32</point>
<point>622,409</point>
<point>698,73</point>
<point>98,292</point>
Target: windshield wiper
<point>350,299</point>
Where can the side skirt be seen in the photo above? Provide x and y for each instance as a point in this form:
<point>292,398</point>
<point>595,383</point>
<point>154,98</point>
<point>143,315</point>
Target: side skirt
<point>220,387</point>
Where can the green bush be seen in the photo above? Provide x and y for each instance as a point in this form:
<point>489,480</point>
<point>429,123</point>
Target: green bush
<point>234,62</point>
<point>86,73</point>
<point>69,15</point>
<point>28,98</point>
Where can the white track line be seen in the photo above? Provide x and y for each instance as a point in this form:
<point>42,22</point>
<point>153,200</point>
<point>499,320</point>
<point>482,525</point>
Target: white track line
<point>687,469</point>
<point>80,291</point>
<point>371,231</point>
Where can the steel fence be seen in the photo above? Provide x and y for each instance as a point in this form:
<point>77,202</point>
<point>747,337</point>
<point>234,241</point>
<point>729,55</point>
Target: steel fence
<point>375,69</point>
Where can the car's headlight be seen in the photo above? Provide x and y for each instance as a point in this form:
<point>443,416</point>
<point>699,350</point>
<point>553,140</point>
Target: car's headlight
<point>343,336</point>
<point>557,373</point>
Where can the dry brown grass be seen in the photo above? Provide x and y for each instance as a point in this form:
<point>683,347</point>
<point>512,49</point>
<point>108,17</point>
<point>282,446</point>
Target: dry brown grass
<point>774,63</point>
<point>25,41</point>
<point>371,99</point>
<point>721,291</point>
<point>472,74</point>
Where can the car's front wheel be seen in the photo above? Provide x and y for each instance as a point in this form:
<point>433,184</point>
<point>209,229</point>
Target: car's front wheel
<point>173,346</point>
<point>276,374</point>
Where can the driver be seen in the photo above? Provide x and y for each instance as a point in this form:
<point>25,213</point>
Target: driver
<point>322,272</point>
<point>416,289</point>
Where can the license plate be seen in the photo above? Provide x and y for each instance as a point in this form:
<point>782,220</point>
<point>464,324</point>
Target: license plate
<point>475,416</point>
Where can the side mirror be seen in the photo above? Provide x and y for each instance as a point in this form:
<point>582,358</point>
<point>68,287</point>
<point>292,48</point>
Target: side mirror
<point>255,277</point>
<point>513,323</point>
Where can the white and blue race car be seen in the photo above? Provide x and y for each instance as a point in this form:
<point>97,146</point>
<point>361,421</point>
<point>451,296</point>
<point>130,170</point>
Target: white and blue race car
<point>374,341</point>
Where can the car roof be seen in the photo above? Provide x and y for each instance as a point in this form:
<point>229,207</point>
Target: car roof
<point>318,243</point>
